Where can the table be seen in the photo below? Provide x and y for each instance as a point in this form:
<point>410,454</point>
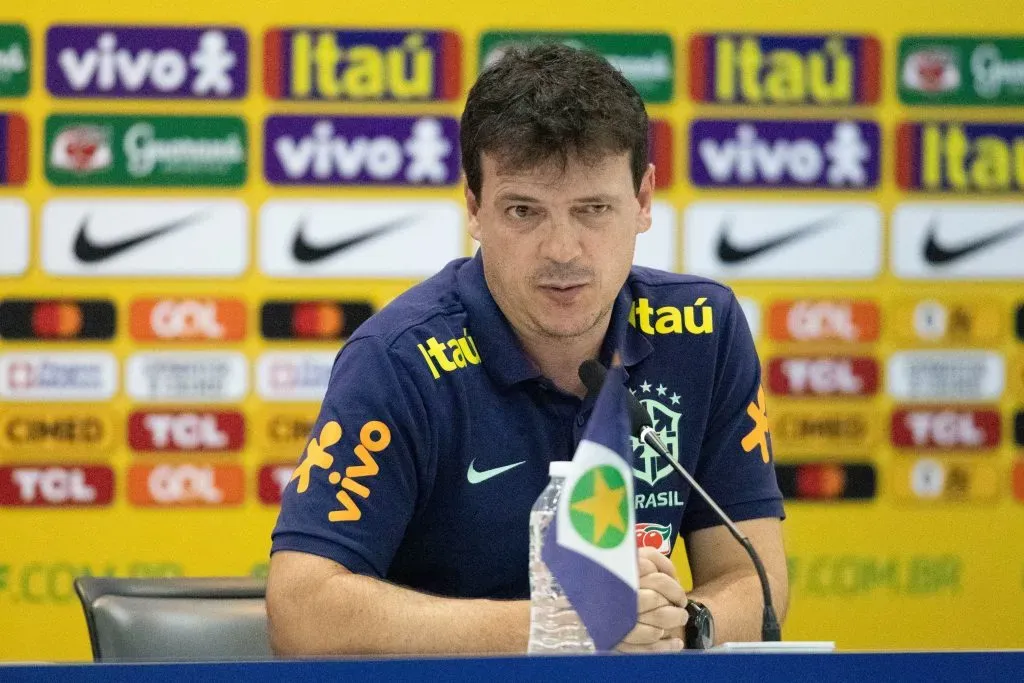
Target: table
<point>926,667</point>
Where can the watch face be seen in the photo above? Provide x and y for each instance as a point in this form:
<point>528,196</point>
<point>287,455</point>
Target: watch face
<point>700,628</point>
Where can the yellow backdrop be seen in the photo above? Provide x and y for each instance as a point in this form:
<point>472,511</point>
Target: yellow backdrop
<point>879,575</point>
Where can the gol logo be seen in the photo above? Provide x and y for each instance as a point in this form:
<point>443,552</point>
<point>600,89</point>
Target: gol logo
<point>823,376</point>
<point>946,428</point>
<point>186,431</point>
<point>823,320</point>
<point>271,481</point>
<point>187,319</point>
<point>185,484</point>
<point>56,485</point>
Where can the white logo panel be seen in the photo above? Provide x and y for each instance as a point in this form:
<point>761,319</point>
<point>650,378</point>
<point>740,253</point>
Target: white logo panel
<point>946,375</point>
<point>306,238</point>
<point>969,241</point>
<point>657,247</point>
<point>187,376</point>
<point>173,238</point>
<point>787,241</point>
<point>65,376</point>
<point>294,375</point>
<point>14,236</point>
<point>752,312</point>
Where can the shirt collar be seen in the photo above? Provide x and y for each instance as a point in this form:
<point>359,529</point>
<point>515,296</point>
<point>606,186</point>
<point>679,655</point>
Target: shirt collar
<point>500,351</point>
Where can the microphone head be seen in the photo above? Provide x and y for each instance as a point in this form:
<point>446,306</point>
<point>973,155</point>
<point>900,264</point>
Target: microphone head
<point>592,373</point>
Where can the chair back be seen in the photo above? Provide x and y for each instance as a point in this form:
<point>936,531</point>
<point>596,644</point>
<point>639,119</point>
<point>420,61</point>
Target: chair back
<point>175,619</point>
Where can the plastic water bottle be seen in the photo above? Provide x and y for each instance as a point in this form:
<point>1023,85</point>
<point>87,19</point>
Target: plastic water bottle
<point>555,628</point>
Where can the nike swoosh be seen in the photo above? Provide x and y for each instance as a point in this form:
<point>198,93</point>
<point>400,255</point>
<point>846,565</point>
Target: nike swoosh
<point>88,251</point>
<point>310,253</point>
<point>475,477</point>
<point>937,254</point>
<point>729,253</point>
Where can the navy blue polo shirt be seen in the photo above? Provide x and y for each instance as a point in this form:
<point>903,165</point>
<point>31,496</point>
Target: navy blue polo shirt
<point>434,437</point>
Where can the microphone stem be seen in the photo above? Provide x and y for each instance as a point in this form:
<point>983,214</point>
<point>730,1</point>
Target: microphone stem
<point>770,630</point>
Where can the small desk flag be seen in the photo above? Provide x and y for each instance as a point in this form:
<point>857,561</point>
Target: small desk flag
<point>590,546</point>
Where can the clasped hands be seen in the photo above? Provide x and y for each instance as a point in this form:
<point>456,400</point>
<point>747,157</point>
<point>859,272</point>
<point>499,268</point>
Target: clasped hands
<point>661,607</point>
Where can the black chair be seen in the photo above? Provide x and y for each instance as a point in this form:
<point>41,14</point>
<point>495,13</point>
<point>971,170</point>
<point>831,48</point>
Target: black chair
<point>175,619</point>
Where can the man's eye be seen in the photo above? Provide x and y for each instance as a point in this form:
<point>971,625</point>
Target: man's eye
<point>519,211</point>
<point>595,208</point>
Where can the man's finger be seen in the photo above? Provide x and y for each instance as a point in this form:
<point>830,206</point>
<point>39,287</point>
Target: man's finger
<point>665,618</point>
<point>643,634</point>
<point>645,566</point>
<point>661,562</point>
<point>666,585</point>
<point>648,600</point>
<point>663,645</point>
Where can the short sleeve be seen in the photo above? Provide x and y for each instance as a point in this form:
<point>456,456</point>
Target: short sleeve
<point>355,488</point>
<point>736,466</point>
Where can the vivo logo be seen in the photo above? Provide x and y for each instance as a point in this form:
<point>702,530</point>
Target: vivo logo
<point>813,154</point>
<point>361,150</point>
<point>147,62</point>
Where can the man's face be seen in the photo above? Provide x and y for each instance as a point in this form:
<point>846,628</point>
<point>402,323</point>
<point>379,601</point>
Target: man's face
<point>558,243</point>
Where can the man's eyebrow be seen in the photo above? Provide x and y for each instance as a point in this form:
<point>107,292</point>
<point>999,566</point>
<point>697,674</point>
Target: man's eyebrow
<point>515,197</point>
<point>596,199</point>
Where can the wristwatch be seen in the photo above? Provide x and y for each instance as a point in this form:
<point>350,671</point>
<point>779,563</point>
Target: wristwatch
<point>699,633</point>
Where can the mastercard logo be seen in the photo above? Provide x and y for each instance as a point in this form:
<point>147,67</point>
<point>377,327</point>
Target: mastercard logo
<point>313,320</point>
<point>823,481</point>
<point>57,319</point>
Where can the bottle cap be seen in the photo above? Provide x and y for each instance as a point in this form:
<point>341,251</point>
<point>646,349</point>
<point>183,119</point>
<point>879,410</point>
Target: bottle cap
<point>560,468</point>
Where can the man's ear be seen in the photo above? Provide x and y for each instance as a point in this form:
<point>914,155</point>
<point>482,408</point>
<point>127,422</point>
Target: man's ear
<point>645,196</point>
<point>472,209</point>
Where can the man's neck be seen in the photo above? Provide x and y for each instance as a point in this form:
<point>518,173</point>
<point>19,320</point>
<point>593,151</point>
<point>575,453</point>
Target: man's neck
<point>559,359</point>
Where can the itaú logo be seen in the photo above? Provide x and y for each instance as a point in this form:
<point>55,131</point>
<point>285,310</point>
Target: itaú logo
<point>462,353</point>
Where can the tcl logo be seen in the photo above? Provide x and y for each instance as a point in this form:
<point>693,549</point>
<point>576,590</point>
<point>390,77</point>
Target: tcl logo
<point>186,484</point>
<point>56,485</point>
<point>823,320</point>
<point>823,376</point>
<point>186,431</point>
<point>946,428</point>
<point>271,482</point>
<point>187,319</point>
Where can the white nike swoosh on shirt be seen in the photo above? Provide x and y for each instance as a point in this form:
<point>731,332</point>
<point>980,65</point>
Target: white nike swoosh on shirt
<point>475,477</point>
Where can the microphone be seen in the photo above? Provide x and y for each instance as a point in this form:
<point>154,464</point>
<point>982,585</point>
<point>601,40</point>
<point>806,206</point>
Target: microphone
<point>592,373</point>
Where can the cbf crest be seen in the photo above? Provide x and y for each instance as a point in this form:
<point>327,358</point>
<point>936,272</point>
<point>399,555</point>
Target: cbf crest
<point>648,465</point>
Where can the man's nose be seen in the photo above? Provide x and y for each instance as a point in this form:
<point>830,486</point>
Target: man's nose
<point>562,240</point>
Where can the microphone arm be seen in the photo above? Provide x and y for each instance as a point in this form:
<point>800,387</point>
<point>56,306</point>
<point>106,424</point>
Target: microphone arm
<point>770,629</point>
<point>592,373</point>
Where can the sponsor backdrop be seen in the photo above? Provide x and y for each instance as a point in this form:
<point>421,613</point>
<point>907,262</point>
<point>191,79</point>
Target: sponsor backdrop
<point>200,201</point>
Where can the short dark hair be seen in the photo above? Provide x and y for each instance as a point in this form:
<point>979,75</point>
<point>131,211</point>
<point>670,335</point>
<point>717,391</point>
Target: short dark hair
<point>548,101</point>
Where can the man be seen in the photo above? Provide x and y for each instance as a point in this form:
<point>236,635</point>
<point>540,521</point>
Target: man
<point>405,526</point>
